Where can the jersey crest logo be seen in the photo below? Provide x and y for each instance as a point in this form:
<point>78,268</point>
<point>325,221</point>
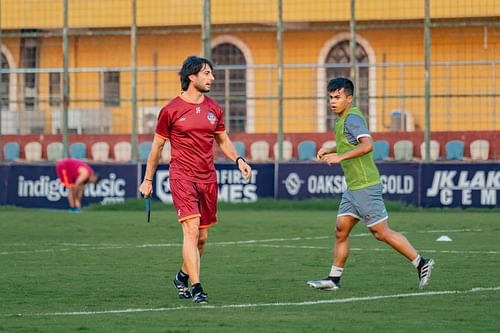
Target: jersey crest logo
<point>211,118</point>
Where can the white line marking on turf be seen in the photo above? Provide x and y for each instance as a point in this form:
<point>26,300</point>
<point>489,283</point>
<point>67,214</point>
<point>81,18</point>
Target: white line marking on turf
<point>361,249</point>
<point>451,230</point>
<point>253,242</point>
<point>431,251</point>
<point>99,246</point>
<point>289,246</point>
<point>259,305</point>
<point>88,247</point>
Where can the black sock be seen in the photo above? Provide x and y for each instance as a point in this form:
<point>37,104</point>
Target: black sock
<point>335,279</point>
<point>183,277</point>
<point>196,288</point>
<point>421,263</point>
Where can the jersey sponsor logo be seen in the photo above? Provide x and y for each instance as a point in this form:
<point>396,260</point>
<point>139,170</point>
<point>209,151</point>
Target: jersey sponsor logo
<point>198,109</point>
<point>211,118</point>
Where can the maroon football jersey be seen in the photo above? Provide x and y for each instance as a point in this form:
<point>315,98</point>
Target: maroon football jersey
<point>191,128</point>
<point>67,170</point>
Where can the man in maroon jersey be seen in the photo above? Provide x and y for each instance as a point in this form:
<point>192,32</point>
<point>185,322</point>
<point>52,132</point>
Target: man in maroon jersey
<point>74,174</point>
<point>192,121</point>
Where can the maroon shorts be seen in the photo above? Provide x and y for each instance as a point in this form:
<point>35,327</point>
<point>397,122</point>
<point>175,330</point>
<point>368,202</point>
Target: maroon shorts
<point>195,200</point>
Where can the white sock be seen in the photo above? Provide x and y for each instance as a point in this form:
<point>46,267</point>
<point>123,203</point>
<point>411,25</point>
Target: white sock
<point>416,261</point>
<point>336,271</point>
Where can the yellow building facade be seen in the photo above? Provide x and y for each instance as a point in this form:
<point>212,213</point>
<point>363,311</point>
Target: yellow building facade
<point>465,54</point>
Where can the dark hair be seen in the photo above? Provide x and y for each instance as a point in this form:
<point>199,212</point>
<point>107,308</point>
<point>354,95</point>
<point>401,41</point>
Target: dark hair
<point>340,83</point>
<point>192,65</point>
<point>95,176</point>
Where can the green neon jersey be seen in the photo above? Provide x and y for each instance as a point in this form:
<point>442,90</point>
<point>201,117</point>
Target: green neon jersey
<point>360,172</point>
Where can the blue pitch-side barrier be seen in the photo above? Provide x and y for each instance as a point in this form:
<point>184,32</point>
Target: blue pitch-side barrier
<point>423,185</point>
<point>36,185</point>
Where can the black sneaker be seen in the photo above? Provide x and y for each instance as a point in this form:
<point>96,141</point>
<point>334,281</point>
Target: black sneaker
<point>182,289</point>
<point>201,298</point>
<point>424,272</point>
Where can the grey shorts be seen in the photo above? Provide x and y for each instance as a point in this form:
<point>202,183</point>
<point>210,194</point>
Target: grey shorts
<point>366,204</point>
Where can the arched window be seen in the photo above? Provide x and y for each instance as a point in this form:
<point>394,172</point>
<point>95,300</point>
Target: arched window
<point>4,86</point>
<point>230,85</point>
<point>341,54</point>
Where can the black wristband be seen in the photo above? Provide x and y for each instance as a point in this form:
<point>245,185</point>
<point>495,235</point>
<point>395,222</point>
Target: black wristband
<point>238,159</point>
<point>149,180</point>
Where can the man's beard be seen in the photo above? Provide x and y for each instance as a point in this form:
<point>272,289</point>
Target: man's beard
<point>202,89</point>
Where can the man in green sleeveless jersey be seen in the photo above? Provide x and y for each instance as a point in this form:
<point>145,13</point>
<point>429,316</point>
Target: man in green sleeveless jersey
<point>363,198</point>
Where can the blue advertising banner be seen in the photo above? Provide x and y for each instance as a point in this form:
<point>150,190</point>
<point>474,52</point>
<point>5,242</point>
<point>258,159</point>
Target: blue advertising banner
<point>4,181</point>
<point>37,185</point>
<point>424,185</point>
<point>401,182</point>
<point>309,180</point>
<point>318,180</point>
<point>232,186</point>
<point>461,185</point>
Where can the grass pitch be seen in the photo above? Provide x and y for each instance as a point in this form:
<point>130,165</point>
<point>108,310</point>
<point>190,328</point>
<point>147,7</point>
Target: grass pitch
<point>106,270</point>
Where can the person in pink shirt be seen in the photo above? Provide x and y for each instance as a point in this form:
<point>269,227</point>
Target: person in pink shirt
<point>192,122</point>
<point>74,174</point>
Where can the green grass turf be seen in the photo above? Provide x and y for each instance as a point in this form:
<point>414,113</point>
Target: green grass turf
<point>257,259</point>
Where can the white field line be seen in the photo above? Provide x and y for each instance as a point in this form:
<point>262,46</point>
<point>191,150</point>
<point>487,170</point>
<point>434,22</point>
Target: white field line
<point>449,230</point>
<point>259,305</point>
<point>88,247</point>
<point>253,242</point>
<point>370,249</point>
<point>112,245</point>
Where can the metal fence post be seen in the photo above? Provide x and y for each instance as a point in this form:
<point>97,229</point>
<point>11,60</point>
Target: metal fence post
<point>279,42</point>
<point>65,104</point>
<point>427,45</point>
<point>493,98</point>
<point>133,79</point>
<point>354,71</point>
<point>1,69</point>
<point>206,30</point>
